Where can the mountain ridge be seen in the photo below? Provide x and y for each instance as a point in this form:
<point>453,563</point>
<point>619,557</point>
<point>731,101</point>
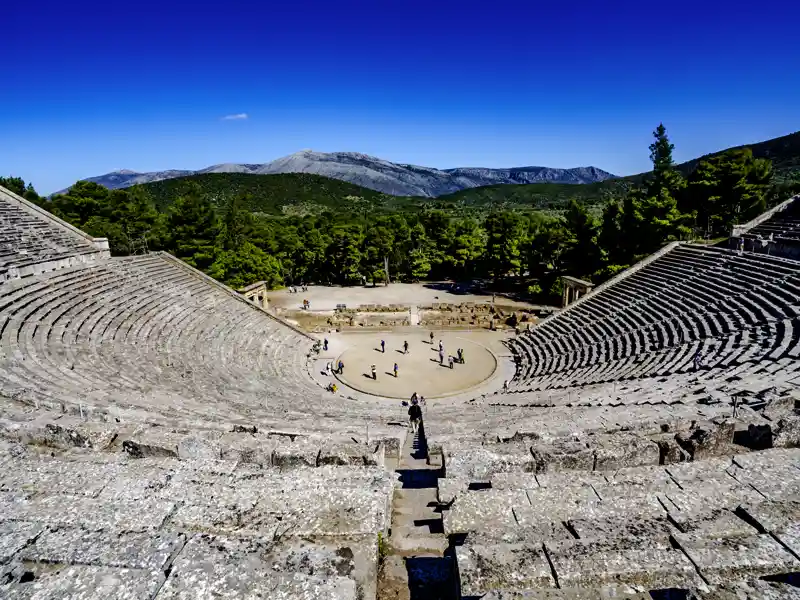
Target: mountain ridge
<point>396,179</point>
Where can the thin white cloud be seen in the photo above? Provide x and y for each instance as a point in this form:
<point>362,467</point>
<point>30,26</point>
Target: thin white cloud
<point>236,117</point>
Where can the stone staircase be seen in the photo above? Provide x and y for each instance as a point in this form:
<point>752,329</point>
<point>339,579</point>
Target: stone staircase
<point>416,562</point>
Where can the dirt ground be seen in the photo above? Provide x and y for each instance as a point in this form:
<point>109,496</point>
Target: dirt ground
<point>326,298</point>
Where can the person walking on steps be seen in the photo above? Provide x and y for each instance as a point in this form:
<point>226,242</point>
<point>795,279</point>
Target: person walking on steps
<point>383,346</point>
<point>405,347</point>
<point>415,416</point>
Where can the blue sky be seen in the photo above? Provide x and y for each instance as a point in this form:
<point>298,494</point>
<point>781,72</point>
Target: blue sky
<point>94,87</point>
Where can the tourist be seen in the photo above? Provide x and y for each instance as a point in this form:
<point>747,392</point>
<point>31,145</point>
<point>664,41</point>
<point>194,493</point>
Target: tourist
<point>460,353</point>
<point>329,368</point>
<point>395,370</point>
<point>374,373</point>
<point>383,346</point>
<point>697,360</point>
<point>341,367</point>
<point>422,400</point>
<point>325,344</point>
<point>405,347</point>
<point>441,346</point>
<point>441,357</point>
<point>415,416</point>
<point>431,338</point>
<point>505,385</point>
<point>414,398</point>
<point>451,361</point>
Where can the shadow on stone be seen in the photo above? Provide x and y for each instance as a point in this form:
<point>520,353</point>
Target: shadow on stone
<point>430,578</point>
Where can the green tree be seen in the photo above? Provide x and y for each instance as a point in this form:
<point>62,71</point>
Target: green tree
<point>236,222</point>
<point>245,265</point>
<point>344,255</point>
<point>467,247</point>
<point>504,238</point>
<point>729,188</point>
<point>581,256</point>
<point>193,227</point>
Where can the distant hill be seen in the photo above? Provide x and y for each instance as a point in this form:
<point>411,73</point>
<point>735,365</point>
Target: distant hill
<point>373,173</point>
<point>288,193</point>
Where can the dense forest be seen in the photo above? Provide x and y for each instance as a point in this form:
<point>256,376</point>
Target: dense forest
<point>305,228</point>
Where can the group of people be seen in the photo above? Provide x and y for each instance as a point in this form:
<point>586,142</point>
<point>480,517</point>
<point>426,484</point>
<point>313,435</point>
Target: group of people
<point>338,369</point>
<point>451,360</point>
<point>293,289</point>
<point>306,304</point>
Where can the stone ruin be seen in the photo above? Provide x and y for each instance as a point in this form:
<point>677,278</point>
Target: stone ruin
<point>160,437</point>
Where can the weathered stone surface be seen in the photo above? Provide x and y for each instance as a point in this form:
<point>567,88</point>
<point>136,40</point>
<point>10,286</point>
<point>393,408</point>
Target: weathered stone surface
<point>79,582</point>
<point>486,509</point>
<point>641,480</point>
<point>482,568</point>
<point>552,504</point>
<point>720,559</point>
<point>772,516</point>
<point>622,450</point>
<point>657,530</point>
<point>709,440</point>
<point>563,455</point>
<point>69,545</point>
<point>782,406</point>
<point>480,463</point>
<point>57,477</point>
<point>569,479</point>
<point>587,564</point>
<point>787,432</point>
<point>301,453</point>
<point>451,488</point>
<point>93,513</point>
<point>755,589</point>
<point>609,593</point>
<point>14,536</point>
<point>218,567</point>
<point>514,481</point>
<point>669,450</point>
<point>774,457</point>
<point>713,523</point>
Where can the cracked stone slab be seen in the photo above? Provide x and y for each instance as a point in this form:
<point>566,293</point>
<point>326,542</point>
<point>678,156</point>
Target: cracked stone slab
<point>708,469</point>
<point>620,450</point>
<point>609,593</point>
<point>93,513</point>
<point>57,476</point>
<point>211,567</point>
<point>80,582</point>
<point>553,504</point>
<point>134,550</point>
<point>789,535</point>
<point>14,536</point>
<point>646,479</point>
<point>751,590</point>
<point>774,456</point>
<point>722,559</point>
<point>514,481</point>
<point>656,530</point>
<point>563,455</point>
<point>451,488</point>
<point>704,496</point>
<point>482,568</point>
<point>569,479</point>
<point>486,509</point>
<point>480,463</point>
<point>776,482</point>
<point>772,516</point>
<point>713,523</point>
<point>646,566</point>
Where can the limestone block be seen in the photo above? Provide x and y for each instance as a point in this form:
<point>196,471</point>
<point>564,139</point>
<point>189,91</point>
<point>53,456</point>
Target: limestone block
<point>670,451</point>
<point>252,449</point>
<point>708,440</point>
<point>777,456</point>
<point>341,454</point>
<point>551,504</point>
<point>220,567</point>
<point>772,516</point>
<point>80,582</point>
<point>15,535</point>
<point>450,488</point>
<point>782,406</point>
<point>569,479</point>
<point>301,453</point>
<point>713,523</point>
<point>622,450</point>
<point>56,477</point>
<point>74,545</point>
<point>721,559</point>
<point>789,535</point>
<point>644,564</point>
<point>482,568</point>
<point>657,529</point>
<point>562,456</point>
<point>639,480</point>
<point>486,509</point>
<point>787,432</point>
<point>607,593</point>
<point>480,463</point>
<point>514,481</point>
<point>756,589</point>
